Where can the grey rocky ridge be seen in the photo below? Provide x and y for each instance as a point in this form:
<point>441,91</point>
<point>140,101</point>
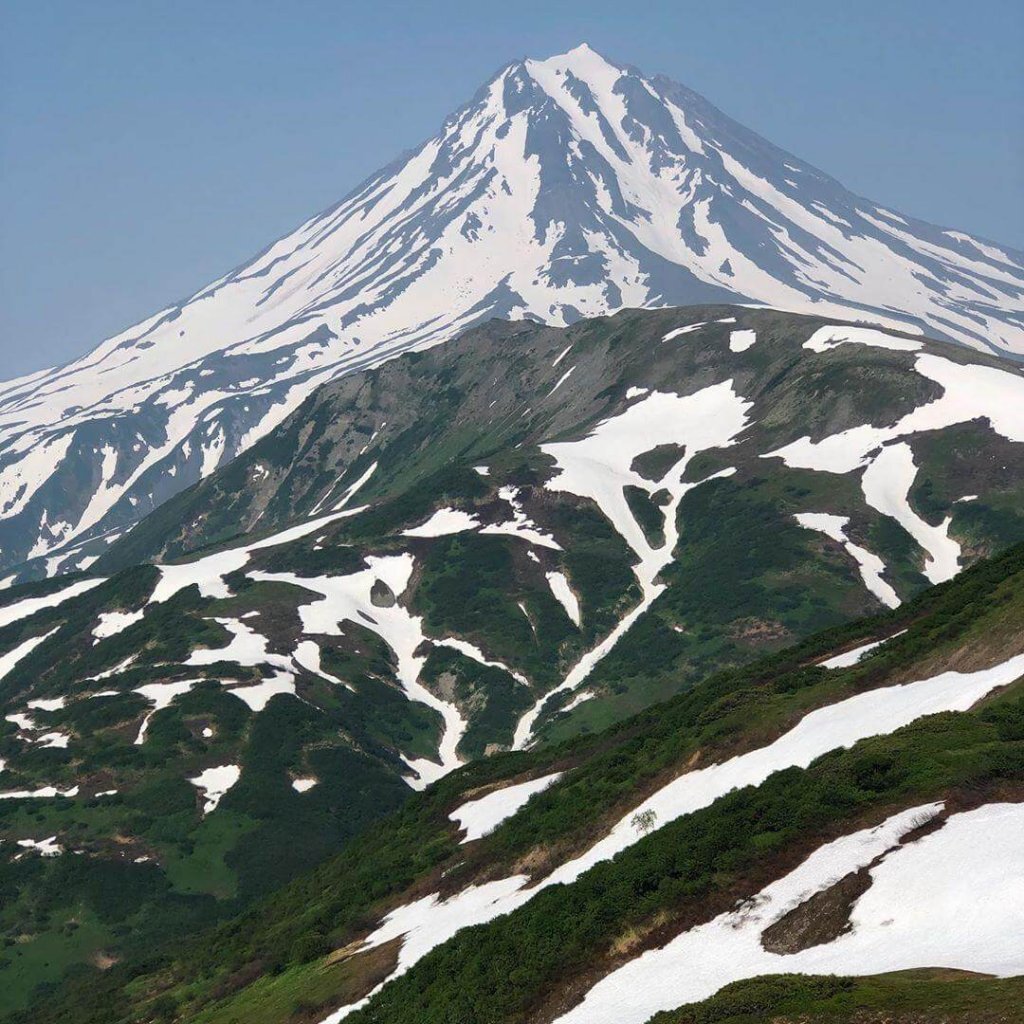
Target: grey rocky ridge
<point>567,187</point>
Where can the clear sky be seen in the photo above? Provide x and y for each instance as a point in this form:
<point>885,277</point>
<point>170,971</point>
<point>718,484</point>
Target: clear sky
<point>149,147</point>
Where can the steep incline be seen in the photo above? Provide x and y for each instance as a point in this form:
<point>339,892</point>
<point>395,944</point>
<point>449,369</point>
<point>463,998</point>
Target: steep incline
<point>567,187</point>
<point>851,805</point>
<point>522,536</point>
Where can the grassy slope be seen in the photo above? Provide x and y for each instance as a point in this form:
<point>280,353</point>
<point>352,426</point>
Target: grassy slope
<point>686,867</point>
<point>904,997</point>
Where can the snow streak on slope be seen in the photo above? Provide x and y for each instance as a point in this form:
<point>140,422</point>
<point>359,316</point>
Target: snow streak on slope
<point>349,598</point>
<point>483,815</point>
<point>567,187</point>
<point>599,467</point>
<point>950,899</point>
<point>430,921</point>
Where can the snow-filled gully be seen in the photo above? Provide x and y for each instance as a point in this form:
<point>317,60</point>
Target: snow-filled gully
<point>430,921</point>
<point>348,598</point>
<point>599,467</point>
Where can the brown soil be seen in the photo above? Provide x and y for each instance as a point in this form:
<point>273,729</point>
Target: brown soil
<point>821,918</point>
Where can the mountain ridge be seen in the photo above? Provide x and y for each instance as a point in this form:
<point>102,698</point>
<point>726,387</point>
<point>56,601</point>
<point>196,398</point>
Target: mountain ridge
<point>567,187</point>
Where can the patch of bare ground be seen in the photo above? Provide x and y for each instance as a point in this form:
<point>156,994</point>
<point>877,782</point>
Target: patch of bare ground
<point>758,631</point>
<point>821,918</point>
<point>103,960</point>
<point>358,971</point>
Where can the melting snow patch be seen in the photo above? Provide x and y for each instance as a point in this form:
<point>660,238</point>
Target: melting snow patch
<point>635,392</point>
<point>950,899</point>
<point>825,338</point>
<point>870,565</point>
<point>443,522</point>
<point>482,816</point>
<point>160,696</point>
<point>112,623</point>
<point>521,525</point>
<point>740,341</point>
<point>564,594</point>
<point>46,793</point>
<point>308,656</point>
<point>561,380</point>
<point>680,331</point>
<point>474,652</point>
<point>30,605</point>
<point>16,654</point>
<point>44,847</point>
<point>258,695</point>
<point>886,484</point>
<point>213,783</point>
<point>848,658</point>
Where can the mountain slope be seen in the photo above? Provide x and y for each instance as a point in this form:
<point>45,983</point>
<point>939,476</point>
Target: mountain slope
<point>567,187</point>
<point>850,805</point>
<point>521,536</point>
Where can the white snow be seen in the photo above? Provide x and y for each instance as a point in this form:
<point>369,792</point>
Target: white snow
<point>44,847</point>
<point>870,565</point>
<point>443,522</point>
<point>430,921</point>
<point>208,572</point>
<point>953,898</point>
<point>561,355</point>
<point>30,605</point>
<point>561,380</point>
<point>520,525</point>
<point>348,598</point>
<point>848,658</point>
<point>9,660</point>
<point>599,467</point>
<point>635,392</point>
<point>474,652</point>
<point>308,655</point>
<point>886,483</point>
<point>46,793</point>
<point>740,341</point>
<point>564,594</point>
<point>825,338</point>
<point>48,703</point>
<point>214,782</point>
<point>112,623</point>
<point>680,331</point>
<point>160,695</point>
<point>258,695</point>
<point>304,785</point>
<point>55,740</point>
<point>483,815</point>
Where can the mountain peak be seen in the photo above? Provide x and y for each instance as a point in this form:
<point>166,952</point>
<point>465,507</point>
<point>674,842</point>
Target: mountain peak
<point>568,187</point>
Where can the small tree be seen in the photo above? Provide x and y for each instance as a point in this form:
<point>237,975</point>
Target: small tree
<point>644,821</point>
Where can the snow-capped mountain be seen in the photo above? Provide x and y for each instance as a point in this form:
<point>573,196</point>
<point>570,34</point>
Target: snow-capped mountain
<point>567,187</point>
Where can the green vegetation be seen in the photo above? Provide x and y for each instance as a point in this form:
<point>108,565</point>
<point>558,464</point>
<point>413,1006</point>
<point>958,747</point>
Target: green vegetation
<point>906,997</point>
<point>686,867</point>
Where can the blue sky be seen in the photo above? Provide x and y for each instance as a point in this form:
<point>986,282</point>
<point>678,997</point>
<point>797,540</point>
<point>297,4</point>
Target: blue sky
<point>147,148</point>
